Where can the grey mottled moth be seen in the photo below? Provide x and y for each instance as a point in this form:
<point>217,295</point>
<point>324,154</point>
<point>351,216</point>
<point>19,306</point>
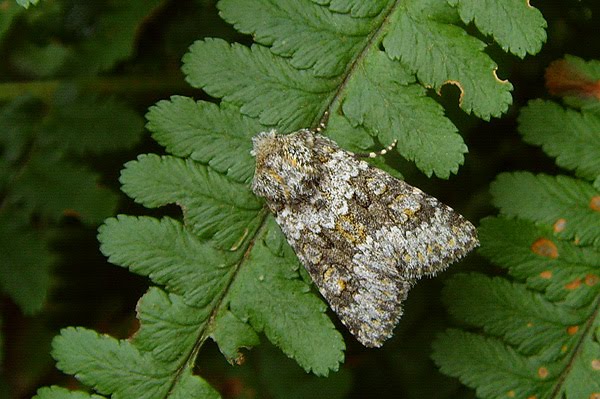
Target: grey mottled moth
<point>364,236</point>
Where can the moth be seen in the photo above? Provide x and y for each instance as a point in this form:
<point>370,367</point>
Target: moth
<point>364,236</point>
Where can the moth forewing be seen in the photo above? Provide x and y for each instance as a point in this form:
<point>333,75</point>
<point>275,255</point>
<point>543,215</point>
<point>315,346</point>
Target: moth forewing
<point>364,236</point>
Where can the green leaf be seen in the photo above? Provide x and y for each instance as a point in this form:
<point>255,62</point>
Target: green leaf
<point>55,187</point>
<point>535,333</point>
<point>567,204</point>
<point>169,254</point>
<point>268,293</point>
<point>515,24</point>
<point>118,368</point>
<point>19,125</point>
<point>431,140</point>
<point>356,8</point>
<point>87,125</point>
<point>422,35</point>
<point>585,369</point>
<point>41,185</point>
<point>110,366</point>
<point>192,386</point>
<point>545,124</point>
<point>112,35</point>
<point>560,268</point>
<point>383,97</point>
<point>26,261</point>
<point>41,61</point>
<point>170,328</point>
<point>206,133</point>
<point>41,177</point>
<point>214,206</point>
<point>531,336</point>
<point>231,334</point>
<point>55,392</point>
<point>310,36</point>
<point>524,318</point>
<point>493,368</point>
<point>339,43</point>
<point>264,87</point>
<point>211,282</point>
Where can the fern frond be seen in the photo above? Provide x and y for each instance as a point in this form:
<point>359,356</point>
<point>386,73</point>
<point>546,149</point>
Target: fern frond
<point>226,270</point>
<point>423,33</point>
<point>330,58</point>
<point>42,181</point>
<point>563,202</point>
<point>535,334</point>
<point>206,133</point>
<point>125,372</point>
<point>214,206</point>
<point>428,138</point>
<point>543,123</point>
<point>113,36</point>
<point>517,26</point>
<point>25,269</point>
<point>263,86</point>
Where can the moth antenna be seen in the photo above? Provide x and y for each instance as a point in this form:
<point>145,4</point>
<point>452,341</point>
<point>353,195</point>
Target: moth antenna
<point>322,122</point>
<point>378,153</point>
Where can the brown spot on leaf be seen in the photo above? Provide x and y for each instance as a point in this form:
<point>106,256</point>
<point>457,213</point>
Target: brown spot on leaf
<point>595,395</point>
<point>546,274</point>
<point>595,203</point>
<point>510,394</point>
<point>545,247</point>
<point>573,284</point>
<point>572,330</point>
<point>543,372</point>
<point>532,397</point>
<point>559,225</point>
<point>564,348</point>
<point>564,79</point>
<point>591,280</point>
<point>596,364</point>
<point>529,325</point>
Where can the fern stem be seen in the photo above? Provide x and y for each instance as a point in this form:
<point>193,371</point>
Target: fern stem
<point>587,332</point>
<point>374,39</point>
<point>203,333</point>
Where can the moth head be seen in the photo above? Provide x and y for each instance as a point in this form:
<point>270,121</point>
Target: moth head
<point>286,168</point>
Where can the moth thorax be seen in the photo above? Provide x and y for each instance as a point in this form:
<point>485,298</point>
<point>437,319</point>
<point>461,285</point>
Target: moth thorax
<point>285,168</point>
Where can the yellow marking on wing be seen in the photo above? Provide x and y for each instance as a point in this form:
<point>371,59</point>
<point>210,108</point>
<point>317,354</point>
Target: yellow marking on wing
<point>348,228</point>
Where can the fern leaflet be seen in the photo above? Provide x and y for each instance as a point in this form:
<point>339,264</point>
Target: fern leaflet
<point>226,271</point>
<point>536,332</point>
